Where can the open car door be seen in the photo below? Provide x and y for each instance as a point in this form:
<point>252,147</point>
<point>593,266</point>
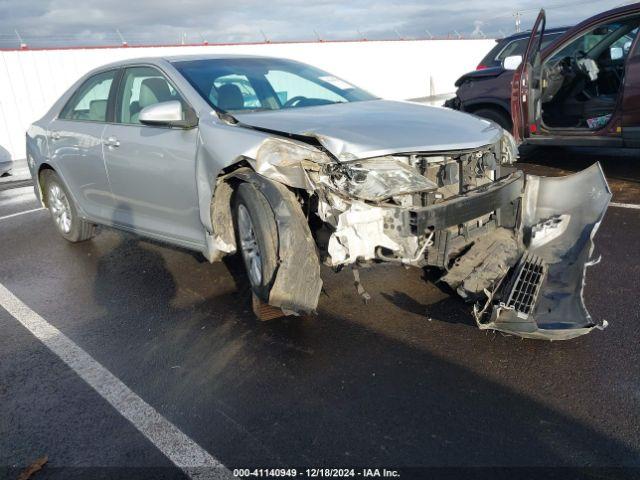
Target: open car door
<point>525,87</point>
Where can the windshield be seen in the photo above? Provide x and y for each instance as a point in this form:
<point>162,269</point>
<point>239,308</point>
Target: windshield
<point>253,84</point>
<point>614,34</point>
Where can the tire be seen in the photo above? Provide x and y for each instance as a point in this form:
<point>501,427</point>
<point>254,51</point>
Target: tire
<point>64,212</point>
<point>497,116</point>
<point>257,238</point>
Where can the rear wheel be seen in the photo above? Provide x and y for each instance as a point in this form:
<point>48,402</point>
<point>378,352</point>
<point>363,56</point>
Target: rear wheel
<point>501,118</point>
<point>63,210</point>
<point>257,237</point>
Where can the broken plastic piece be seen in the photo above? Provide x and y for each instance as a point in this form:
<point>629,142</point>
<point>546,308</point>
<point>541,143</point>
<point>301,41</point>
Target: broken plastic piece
<point>361,291</point>
<point>543,297</point>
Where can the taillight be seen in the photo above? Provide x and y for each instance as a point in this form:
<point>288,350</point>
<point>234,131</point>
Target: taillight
<point>481,67</point>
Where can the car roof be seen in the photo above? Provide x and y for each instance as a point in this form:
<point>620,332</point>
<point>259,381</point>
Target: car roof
<point>183,58</point>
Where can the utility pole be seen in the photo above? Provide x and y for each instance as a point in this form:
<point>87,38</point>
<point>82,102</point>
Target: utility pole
<point>266,40</point>
<point>23,45</point>
<point>517,16</point>
<point>429,33</point>
<point>124,42</point>
<point>317,35</point>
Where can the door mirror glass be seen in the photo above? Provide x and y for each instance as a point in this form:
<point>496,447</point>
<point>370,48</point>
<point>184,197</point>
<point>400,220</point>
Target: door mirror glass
<point>168,114</point>
<point>616,53</point>
<point>512,62</point>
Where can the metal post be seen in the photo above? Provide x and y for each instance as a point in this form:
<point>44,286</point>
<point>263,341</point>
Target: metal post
<point>517,16</point>
<point>124,42</point>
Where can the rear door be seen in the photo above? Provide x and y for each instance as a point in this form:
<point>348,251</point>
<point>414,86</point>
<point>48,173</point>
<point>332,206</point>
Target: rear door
<point>525,87</point>
<point>152,168</point>
<point>75,143</point>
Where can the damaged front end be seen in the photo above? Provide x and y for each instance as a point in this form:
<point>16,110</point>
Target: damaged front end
<point>517,247</point>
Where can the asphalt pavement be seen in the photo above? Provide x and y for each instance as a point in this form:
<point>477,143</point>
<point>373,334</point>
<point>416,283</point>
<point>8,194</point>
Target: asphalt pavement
<point>403,382</point>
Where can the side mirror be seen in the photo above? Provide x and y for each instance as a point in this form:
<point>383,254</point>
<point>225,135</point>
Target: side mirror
<point>168,114</point>
<point>616,53</point>
<point>512,62</point>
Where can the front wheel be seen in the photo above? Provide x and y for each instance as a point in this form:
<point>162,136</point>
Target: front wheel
<point>257,237</point>
<point>63,210</point>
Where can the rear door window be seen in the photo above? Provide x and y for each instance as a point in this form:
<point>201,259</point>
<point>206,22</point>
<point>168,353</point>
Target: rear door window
<point>90,101</point>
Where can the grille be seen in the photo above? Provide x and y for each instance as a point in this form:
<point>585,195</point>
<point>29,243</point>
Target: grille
<point>526,286</point>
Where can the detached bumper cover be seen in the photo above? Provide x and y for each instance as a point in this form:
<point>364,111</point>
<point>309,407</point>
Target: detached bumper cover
<point>542,296</point>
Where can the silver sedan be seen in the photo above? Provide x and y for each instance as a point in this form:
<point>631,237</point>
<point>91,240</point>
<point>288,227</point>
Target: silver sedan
<point>295,167</point>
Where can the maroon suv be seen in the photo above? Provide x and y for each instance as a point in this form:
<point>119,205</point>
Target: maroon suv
<point>582,89</point>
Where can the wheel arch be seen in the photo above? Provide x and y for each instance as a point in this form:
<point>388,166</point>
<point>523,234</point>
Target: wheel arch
<point>39,179</point>
<point>492,106</point>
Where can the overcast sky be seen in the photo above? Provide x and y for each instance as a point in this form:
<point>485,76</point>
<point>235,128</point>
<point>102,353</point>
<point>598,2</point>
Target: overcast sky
<point>82,22</point>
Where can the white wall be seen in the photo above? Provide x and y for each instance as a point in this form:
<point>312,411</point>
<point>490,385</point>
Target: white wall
<point>30,81</point>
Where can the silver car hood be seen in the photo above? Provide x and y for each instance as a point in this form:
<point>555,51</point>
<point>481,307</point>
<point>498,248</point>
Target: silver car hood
<point>379,127</point>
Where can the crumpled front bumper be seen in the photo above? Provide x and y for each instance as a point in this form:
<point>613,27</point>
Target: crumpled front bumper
<point>542,295</point>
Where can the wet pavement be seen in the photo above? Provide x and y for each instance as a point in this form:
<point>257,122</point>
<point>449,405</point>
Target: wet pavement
<point>405,381</point>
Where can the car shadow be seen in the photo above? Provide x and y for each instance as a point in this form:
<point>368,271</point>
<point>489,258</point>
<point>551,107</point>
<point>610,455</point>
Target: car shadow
<point>323,390</point>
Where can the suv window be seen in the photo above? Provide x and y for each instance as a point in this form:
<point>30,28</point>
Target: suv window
<point>517,47</point>
<point>142,87</point>
<point>90,101</point>
<point>593,38</point>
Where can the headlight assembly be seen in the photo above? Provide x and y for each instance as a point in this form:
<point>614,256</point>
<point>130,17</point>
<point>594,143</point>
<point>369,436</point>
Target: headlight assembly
<point>288,162</point>
<point>376,179</point>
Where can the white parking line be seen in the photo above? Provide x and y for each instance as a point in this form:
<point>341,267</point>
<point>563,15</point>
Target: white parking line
<point>21,213</point>
<point>173,443</point>
<point>625,205</point>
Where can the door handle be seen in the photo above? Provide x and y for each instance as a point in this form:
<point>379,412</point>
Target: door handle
<point>55,135</point>
<point>112,142</point>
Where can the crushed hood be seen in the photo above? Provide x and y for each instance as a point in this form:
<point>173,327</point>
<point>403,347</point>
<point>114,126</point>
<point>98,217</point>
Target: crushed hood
<point>379,127</point>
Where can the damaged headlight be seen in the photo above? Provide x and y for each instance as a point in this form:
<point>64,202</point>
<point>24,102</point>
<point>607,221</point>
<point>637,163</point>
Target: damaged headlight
<point>508,148</point>
<point>376,179</point>
<point>276,151</point>
<point>288,162</point>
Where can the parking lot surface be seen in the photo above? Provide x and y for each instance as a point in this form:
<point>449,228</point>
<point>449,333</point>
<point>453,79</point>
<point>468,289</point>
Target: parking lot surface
<point>407,380</point>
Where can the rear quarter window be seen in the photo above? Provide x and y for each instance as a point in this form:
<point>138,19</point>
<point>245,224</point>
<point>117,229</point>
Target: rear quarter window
<point>89,103</point>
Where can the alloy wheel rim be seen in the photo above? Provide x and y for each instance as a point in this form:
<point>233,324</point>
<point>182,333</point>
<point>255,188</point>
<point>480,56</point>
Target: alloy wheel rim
<point>249,246</point>
<point>60,208</point>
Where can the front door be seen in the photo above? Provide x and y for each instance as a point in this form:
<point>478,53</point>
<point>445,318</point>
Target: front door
<point>631,97</point>
<point>75,143</point>
<point>525,88</point>
<point>152,168</point>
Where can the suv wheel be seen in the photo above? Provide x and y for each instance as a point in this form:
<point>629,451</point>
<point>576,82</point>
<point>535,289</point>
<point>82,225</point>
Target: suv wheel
<point>497,116</point>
